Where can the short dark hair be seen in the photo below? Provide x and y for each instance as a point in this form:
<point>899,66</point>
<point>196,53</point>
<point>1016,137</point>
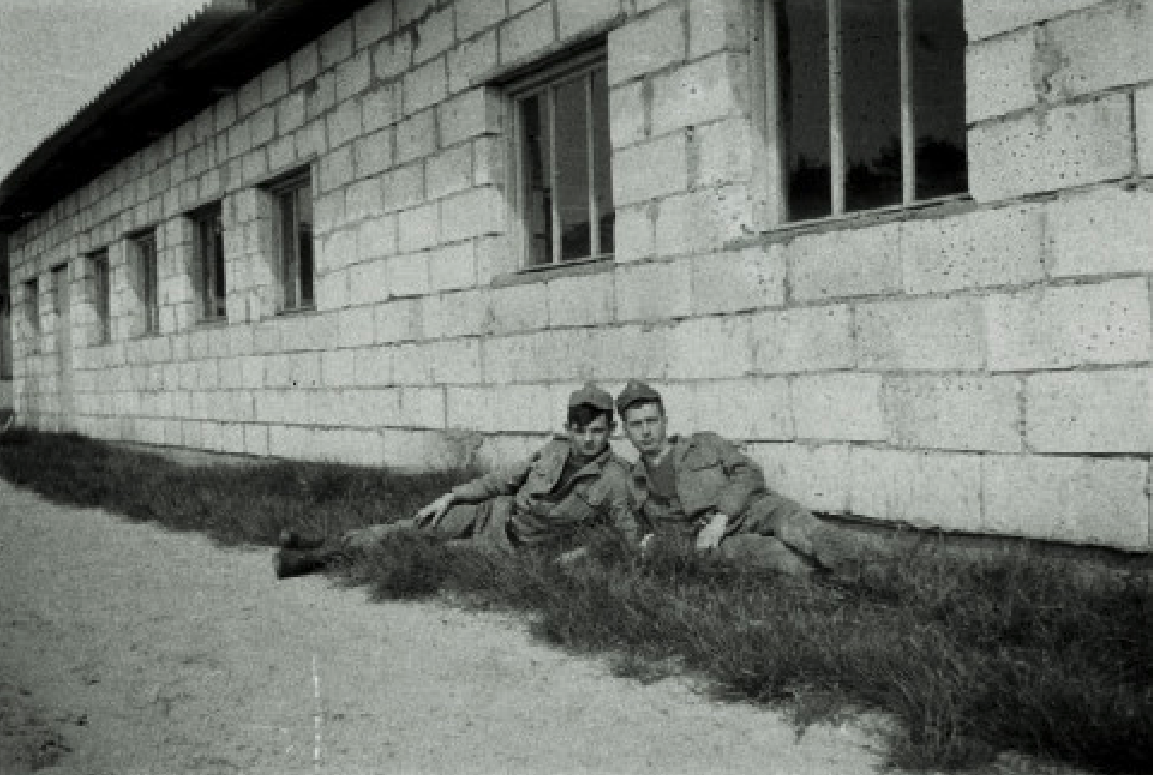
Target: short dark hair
<point>583,415</point>
<point>657,402</point>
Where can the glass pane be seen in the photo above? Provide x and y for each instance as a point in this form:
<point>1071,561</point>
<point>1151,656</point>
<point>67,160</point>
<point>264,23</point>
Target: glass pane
<point>871,67</point>
<point>937,47</point>
<point>602,166</point>
<point>537,177</point>
<point>572,168</point>
<point>289,269</point>
<point>304,243</point>
<point>803,67</point>
<point>218,258</point>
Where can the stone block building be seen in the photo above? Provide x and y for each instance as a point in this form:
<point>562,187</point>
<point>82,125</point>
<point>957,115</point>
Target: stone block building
<point>901,249</point>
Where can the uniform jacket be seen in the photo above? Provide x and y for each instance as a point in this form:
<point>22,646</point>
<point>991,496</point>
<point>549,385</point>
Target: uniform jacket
<point>545,508</point>
<point>712,476</point>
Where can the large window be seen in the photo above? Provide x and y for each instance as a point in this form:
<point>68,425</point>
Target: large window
<point>32,306</point>
<point>147,280</point>
<point>865,104</point>
<point>101,295</point>
<point>563,178</point>
<point>293,218</point>
<point>208,243</point>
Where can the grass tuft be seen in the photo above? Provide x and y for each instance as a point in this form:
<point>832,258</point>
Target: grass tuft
<point>969,658</point>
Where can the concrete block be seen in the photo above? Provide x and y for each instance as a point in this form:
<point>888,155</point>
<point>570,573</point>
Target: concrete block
<point>473,213</point>
<point>471,408</point>
<point>1064,147</point>
<point>338,367</point>
<point>426,85</point>
<point>1101,232</point>
<point>634,232</point>
<point>404,187</point>
<point>457,314</point>
<point>1102,323</point>
<point>393,56</point>
<point>651,170</point>
<point>495,257</point>
<point>813,475</point>
<point>628,114</point>
<point>374,153</point>
<point>1087,412</point>
<point>974,250</point>
<point>850,262</point>
<point>470,114</point>
<point>654,291</point>
<point>999,75</point>
<point>1076,500</point>
<point>364,199</point>
<point>452,267</point>
<point>510,359</point>
<point>311,140</point>
<point>745,408</point>
<point>353,76</point>
<point>523,409</point>
<point>1143,106</point>
<point>456,362</point>
<point>723,153</point>
<point>373,366</point>
<point>519,308</point>
<point>435,34</point>
<point>709,348</point>
<point>356,327</point>
<point>803,339</point>
<point>576,16</point>
<point>335,169</point>
<point>470,59</point>
<point>741,280</point>
<point>372,23</point>
<point>1102,48</point>
<point>303,65</point>
<point>422,407</point>
<point>477,15</point>
<point>844,407</point>
<point>408,274</point>
<point>647,44</point>
<point>416,137</point>
<point>926,490</point>
<point>421,451</point>
<point>955,413</point>
<point>921,334</point>
<point>417,228</point>
<point>449,171</point>
<point>369,282</point>
<point>527,34</point>
<point>984,18</point>
<point>398,320</point>
<point>567,354</point>
<point>704,91</point>
<point>381,105</point>
<point>585,300</point>
<point>320,97</point>
<point>699,221</point>
<point>335,45</point>
<point>717,25</point>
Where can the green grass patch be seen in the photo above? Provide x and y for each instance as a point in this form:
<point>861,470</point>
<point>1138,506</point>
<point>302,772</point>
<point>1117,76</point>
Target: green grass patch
<point>968,657</point>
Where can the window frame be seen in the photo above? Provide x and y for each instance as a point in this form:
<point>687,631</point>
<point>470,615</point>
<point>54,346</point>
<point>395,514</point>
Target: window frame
<point>772,179</point>
<point>290,269</point>
<point>147,278</point>
<point>32,306</point>
<point>543,82</point>
<point>101,266</point>
<point>211,267</point>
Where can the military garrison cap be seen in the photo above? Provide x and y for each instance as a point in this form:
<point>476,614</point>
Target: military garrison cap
<point>635,392</point>
<point>593,396</point>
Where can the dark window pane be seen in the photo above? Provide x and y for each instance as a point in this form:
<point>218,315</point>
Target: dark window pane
<point>602,167</point>
<point>937,56</point>
<point>304,243</point>
<point>803,67</point>
<point>289,268</point>
<point>537,178</point>
<point>572,168</point>
<point>871,67</point>
<point>218,258</point>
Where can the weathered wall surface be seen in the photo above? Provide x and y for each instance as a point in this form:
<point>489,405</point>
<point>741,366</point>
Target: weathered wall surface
<point>982,367</point>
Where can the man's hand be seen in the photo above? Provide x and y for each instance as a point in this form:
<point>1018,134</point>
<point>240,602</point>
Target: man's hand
<point>712,533</point>
<point>573,556</point>
<point>433,512</point>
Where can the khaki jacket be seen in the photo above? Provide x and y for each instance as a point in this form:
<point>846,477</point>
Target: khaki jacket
<point>546,510</point>
<point>712,476</point>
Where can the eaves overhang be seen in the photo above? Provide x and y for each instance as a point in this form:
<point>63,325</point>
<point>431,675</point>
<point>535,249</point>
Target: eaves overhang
<point>215,51</point>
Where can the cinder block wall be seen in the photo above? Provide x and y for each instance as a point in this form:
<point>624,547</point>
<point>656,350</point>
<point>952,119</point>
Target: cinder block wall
<point>983,367</point>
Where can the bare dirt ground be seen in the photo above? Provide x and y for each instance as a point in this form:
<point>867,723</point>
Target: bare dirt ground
<point>128,649</point>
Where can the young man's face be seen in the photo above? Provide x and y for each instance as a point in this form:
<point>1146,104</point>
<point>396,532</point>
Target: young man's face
<point>590,440</point>
<point>647,428</point>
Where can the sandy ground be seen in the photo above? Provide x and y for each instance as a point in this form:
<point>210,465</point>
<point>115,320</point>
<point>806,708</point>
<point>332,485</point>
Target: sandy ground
<point>126,649</point>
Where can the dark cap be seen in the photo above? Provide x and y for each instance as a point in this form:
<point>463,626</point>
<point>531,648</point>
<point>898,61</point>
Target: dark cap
<point>636,392</point>
<point>593,396</point>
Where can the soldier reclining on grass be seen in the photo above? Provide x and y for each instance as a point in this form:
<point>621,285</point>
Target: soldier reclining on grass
<point>573,482</point>
<point>702,488</point>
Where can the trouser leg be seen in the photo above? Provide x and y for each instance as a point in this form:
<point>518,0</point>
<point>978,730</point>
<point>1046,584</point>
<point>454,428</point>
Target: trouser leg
<point>796,528</point>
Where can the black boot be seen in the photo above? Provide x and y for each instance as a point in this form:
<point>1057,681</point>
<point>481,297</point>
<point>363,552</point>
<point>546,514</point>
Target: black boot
<point>300,562</point>
<point>290,539</point>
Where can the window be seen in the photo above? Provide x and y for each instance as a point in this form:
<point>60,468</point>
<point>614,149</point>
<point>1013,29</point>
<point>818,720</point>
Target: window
<point>32,306</point>
<point>208,244</point>
<point>101,295</point>
<point>147,280</point>
<point>865,104</point>
<point>293,223</point>
<point>562,173</point>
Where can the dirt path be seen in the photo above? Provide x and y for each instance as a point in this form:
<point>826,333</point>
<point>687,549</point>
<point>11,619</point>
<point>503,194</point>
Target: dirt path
<point>151,651</point>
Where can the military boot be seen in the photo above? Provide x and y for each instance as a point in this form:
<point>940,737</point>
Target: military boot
<point>290,539</point>
<point>300,562</point>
